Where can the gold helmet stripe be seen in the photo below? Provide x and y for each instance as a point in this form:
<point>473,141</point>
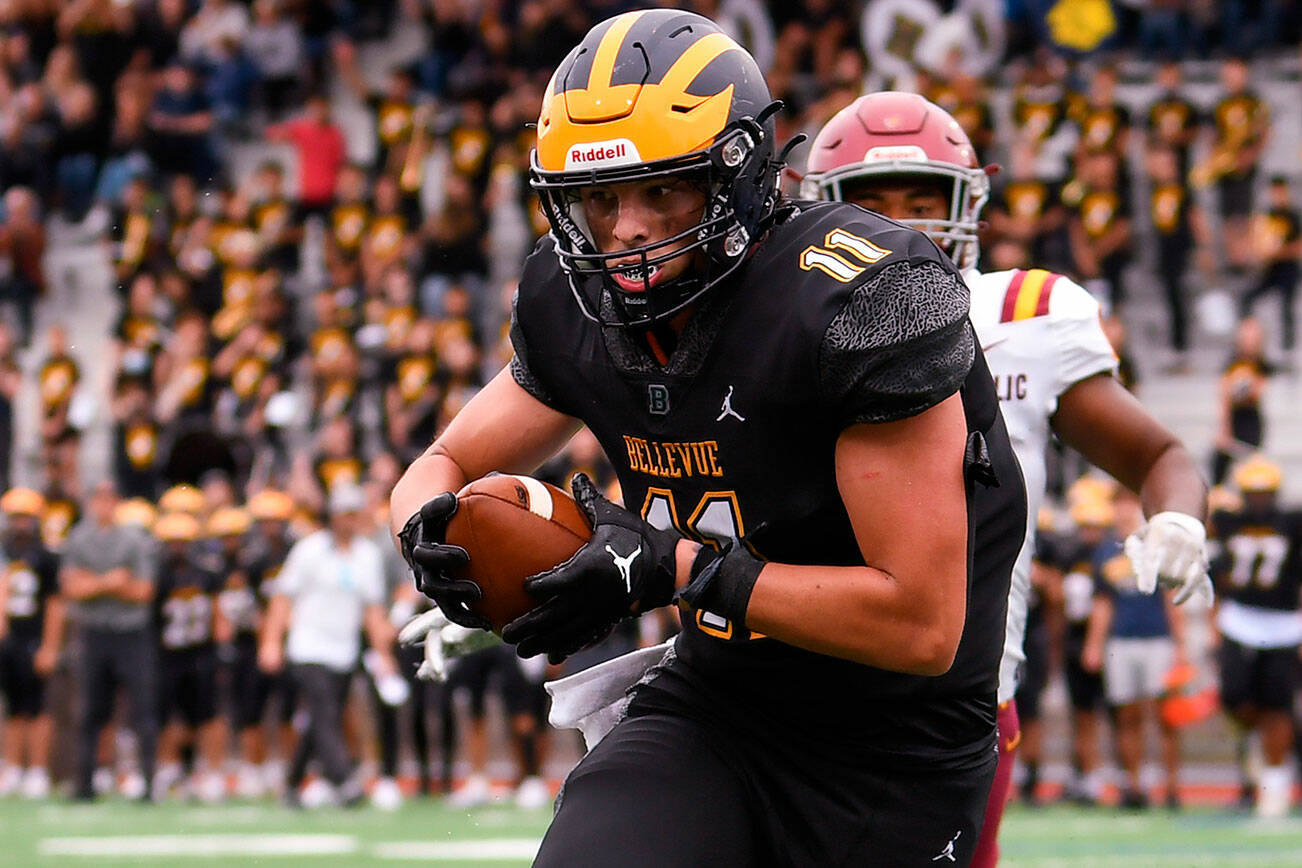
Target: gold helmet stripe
<point>694,61</point>
<point>660,118</point>
<point>603,61</point>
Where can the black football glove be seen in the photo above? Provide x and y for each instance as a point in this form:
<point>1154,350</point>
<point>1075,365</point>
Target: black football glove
<point>433,561</point>
<point>625,569</point>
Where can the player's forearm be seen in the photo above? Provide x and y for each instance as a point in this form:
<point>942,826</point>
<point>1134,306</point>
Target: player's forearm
<point>1174,483</point>
<point>1175,620</point>
<point>55,622</point>
<point>864,614</point>
<point>434,472</point>
<point>1100,622</point>
<point>135,591</point>
<point>503,428</point>
<point>276,622</point>
<point>379,632</point>
<point>80,584</point>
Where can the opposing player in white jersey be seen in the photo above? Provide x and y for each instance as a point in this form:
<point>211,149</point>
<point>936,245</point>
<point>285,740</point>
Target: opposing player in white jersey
<point>905,157</point>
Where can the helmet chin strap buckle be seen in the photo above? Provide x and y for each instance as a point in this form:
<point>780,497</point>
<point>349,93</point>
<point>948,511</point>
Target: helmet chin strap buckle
<point>736,242</point>
<point>735,151</point>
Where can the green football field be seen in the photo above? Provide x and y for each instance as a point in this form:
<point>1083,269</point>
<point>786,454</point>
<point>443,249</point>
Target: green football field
<point>121,834</point>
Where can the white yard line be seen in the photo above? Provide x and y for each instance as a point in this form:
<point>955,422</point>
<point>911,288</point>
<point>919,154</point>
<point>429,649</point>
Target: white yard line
<point>488,849</point>
<point>199,846</point>
<point>1151,860</point>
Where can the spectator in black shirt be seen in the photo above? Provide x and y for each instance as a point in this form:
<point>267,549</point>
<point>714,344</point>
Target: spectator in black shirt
<point>1172,119</point>
<point>181,120</point>
<point>27,141</point>
<point>1099,224</point>
<point>1278,246</point>
<point>158,31</point>
<point>136,435</point>
<point>1179,225</point>
<point>1242,425</point>
<point>80,143</point>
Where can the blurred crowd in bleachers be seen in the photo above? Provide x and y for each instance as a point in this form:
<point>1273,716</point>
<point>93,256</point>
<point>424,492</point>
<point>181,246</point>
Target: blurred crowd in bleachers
<point>299,311</point>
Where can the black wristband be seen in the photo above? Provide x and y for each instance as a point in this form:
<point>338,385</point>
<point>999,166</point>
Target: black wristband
<point>721,582</point>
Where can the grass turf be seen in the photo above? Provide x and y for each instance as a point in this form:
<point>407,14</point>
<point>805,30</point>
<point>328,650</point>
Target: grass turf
<point>116,833</point>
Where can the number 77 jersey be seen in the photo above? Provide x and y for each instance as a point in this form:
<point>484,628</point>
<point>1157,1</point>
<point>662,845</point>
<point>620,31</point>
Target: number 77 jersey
<point>1258,575</point>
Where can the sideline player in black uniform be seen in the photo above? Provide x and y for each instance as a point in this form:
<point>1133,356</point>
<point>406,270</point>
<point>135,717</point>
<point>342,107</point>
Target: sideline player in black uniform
<point>1258,576</point>
<point>31,634</point>
<point>190,624</point>
<point>249,586</point>
<point>1071,558</point>
<point>1043,620</point>
<point>801,376</point>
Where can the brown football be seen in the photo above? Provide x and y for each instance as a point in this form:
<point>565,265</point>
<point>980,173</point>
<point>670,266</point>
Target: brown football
<point>513,527</point>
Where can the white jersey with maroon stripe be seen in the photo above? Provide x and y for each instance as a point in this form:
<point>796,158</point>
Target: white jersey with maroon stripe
<point>1041,335</point>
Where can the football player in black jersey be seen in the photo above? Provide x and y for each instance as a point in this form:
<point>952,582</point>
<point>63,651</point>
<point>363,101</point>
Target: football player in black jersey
<point>245,604</point>
<point>1258,576</point>
<point>190,625</point>
<point>1071,557</point>
<point>31,634</point>
<point>814,464</point>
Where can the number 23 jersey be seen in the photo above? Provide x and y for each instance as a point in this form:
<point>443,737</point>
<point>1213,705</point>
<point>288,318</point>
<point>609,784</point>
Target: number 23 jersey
<point>839,317</point>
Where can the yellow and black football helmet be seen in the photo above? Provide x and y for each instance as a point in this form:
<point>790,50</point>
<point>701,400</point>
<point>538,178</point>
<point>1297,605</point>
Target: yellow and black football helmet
<point>649,94</point>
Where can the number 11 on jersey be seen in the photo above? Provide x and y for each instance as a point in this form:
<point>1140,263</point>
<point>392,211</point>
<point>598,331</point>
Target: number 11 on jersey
<point>716,521</point>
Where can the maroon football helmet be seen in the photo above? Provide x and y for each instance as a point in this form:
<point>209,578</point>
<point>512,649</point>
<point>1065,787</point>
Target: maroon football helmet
<point>890,134</point>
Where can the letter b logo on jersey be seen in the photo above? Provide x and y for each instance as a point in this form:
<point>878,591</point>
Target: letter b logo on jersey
<point>657,399</point>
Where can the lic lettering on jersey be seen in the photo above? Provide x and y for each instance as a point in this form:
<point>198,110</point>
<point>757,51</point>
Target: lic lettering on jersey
<point>1010,387</point>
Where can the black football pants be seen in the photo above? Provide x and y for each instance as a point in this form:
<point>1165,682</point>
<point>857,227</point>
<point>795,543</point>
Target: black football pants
<point>653,794</point>
<point>665,790</point>
<point>111,659</point>
<point>321,694</point>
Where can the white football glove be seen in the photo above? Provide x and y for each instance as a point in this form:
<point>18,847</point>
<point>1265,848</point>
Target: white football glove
<point>1171,550</point>
<point>443,640</point>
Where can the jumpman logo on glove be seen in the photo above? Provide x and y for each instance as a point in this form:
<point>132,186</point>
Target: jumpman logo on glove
<point>625,565</point>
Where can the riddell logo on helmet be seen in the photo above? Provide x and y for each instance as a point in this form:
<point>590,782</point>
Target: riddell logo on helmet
<point>616,152</point>
<point>895,152</point>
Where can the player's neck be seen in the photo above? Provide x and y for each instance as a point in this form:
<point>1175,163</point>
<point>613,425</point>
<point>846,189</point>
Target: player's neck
<point>661,339</point>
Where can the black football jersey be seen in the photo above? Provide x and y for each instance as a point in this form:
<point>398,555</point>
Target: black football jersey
<point>1074,558</point>
<point>255,584</point>
<point>184,599</point>
<point>32,573</point>
<point>1260,559</point>
<point>237,596</point>
<point>840,316</point>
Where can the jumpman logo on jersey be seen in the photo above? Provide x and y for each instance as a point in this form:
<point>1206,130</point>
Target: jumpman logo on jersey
<point>625,565</point>
<point>948,852</point>
<point>727,410</point>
